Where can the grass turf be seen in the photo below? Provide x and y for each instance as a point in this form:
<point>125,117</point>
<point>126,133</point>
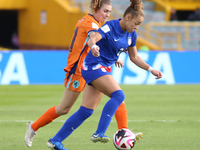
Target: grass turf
<point>168,116</point>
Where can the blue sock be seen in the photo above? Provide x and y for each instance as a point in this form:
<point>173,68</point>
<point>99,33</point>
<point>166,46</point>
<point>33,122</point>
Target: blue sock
<point>73,122</point>
<point>109,110</point>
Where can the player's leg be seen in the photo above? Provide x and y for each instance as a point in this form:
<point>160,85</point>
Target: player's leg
<point>73,122</point>
<point>70,95</point>
<point>122,120</point>
<point>91,98</point>
<point>121,116</point>
<point>69,98</point>
<point>107,85</point>
<point>89,104</point>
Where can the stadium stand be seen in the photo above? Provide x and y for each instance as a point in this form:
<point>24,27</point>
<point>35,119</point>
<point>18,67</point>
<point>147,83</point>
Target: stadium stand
<point>162,33</point>
<point>50,24</point>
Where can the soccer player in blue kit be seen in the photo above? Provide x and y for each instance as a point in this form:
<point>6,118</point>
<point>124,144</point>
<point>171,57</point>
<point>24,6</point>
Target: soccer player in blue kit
<point>108,42</point>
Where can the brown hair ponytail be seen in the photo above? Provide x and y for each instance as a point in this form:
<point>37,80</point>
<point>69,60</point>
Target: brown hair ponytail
<point>136,4</point>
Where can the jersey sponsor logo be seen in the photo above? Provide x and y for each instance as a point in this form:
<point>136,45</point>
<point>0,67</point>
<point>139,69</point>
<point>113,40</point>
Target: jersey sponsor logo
<point>76,84</point>
<point>105,28</point>
<point>95,26</point>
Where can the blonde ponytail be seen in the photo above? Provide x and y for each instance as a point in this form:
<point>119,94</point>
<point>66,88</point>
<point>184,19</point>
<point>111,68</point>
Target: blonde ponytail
<point>135,8</point>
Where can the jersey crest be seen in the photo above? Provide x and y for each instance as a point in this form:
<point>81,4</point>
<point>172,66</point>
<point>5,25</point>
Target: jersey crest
<point>129,40</point>
<point>76,84</point>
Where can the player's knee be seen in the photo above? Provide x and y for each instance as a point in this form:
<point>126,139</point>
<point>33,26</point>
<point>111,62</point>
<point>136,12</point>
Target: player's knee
<point>118,95</point>
<point>62,111</point>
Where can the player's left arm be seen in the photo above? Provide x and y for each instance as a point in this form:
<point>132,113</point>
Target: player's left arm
<point>119,64</point>
<point>132,51</point>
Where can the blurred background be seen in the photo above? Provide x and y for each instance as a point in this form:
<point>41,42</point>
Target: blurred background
<point>48,25</point>
<point>34,41</point>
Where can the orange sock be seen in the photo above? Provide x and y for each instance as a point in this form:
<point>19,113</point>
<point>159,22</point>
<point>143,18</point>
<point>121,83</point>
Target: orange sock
<point>121,116</point>
<point>45,119</point>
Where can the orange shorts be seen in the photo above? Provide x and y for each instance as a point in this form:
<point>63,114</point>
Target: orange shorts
<point>74,82</point>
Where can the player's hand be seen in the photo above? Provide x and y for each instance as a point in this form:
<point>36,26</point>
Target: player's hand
<point>126,51</point>
<point>119,64</point>
<point>157,73</point>
<point>95,51</point>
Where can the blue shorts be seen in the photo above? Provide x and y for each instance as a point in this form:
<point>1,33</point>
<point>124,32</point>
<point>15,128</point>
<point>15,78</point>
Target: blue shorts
<point>91,75</point>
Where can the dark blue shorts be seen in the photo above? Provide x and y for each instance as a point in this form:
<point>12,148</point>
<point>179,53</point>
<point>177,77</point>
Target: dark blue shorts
<point>91,75</point>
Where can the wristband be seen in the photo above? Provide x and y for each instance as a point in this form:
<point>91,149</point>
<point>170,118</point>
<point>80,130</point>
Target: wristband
<point>94,46</point>
<point>150,69</point>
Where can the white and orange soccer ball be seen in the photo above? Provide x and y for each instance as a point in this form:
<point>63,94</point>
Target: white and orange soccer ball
<point>124,139</point>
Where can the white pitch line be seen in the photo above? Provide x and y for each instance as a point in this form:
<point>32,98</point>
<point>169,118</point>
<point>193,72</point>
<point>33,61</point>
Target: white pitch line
<point>1,121</point>
<point>152,120</point>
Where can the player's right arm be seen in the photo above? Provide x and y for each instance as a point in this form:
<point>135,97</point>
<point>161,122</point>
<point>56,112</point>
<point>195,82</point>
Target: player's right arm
<point>91,34</point>
<point>92,43</point>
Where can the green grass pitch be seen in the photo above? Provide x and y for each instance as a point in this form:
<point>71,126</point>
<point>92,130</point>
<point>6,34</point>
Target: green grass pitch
<point>167,115</point>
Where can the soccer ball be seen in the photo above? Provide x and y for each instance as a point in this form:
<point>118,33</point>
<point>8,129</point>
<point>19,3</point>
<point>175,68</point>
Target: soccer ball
<point>124,139</point>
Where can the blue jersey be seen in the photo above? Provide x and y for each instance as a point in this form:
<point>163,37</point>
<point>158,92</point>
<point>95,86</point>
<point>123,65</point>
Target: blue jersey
<point>114,41</point>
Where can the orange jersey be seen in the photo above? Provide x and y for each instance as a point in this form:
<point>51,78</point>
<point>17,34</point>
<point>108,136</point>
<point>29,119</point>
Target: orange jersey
<point>78,50</point>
